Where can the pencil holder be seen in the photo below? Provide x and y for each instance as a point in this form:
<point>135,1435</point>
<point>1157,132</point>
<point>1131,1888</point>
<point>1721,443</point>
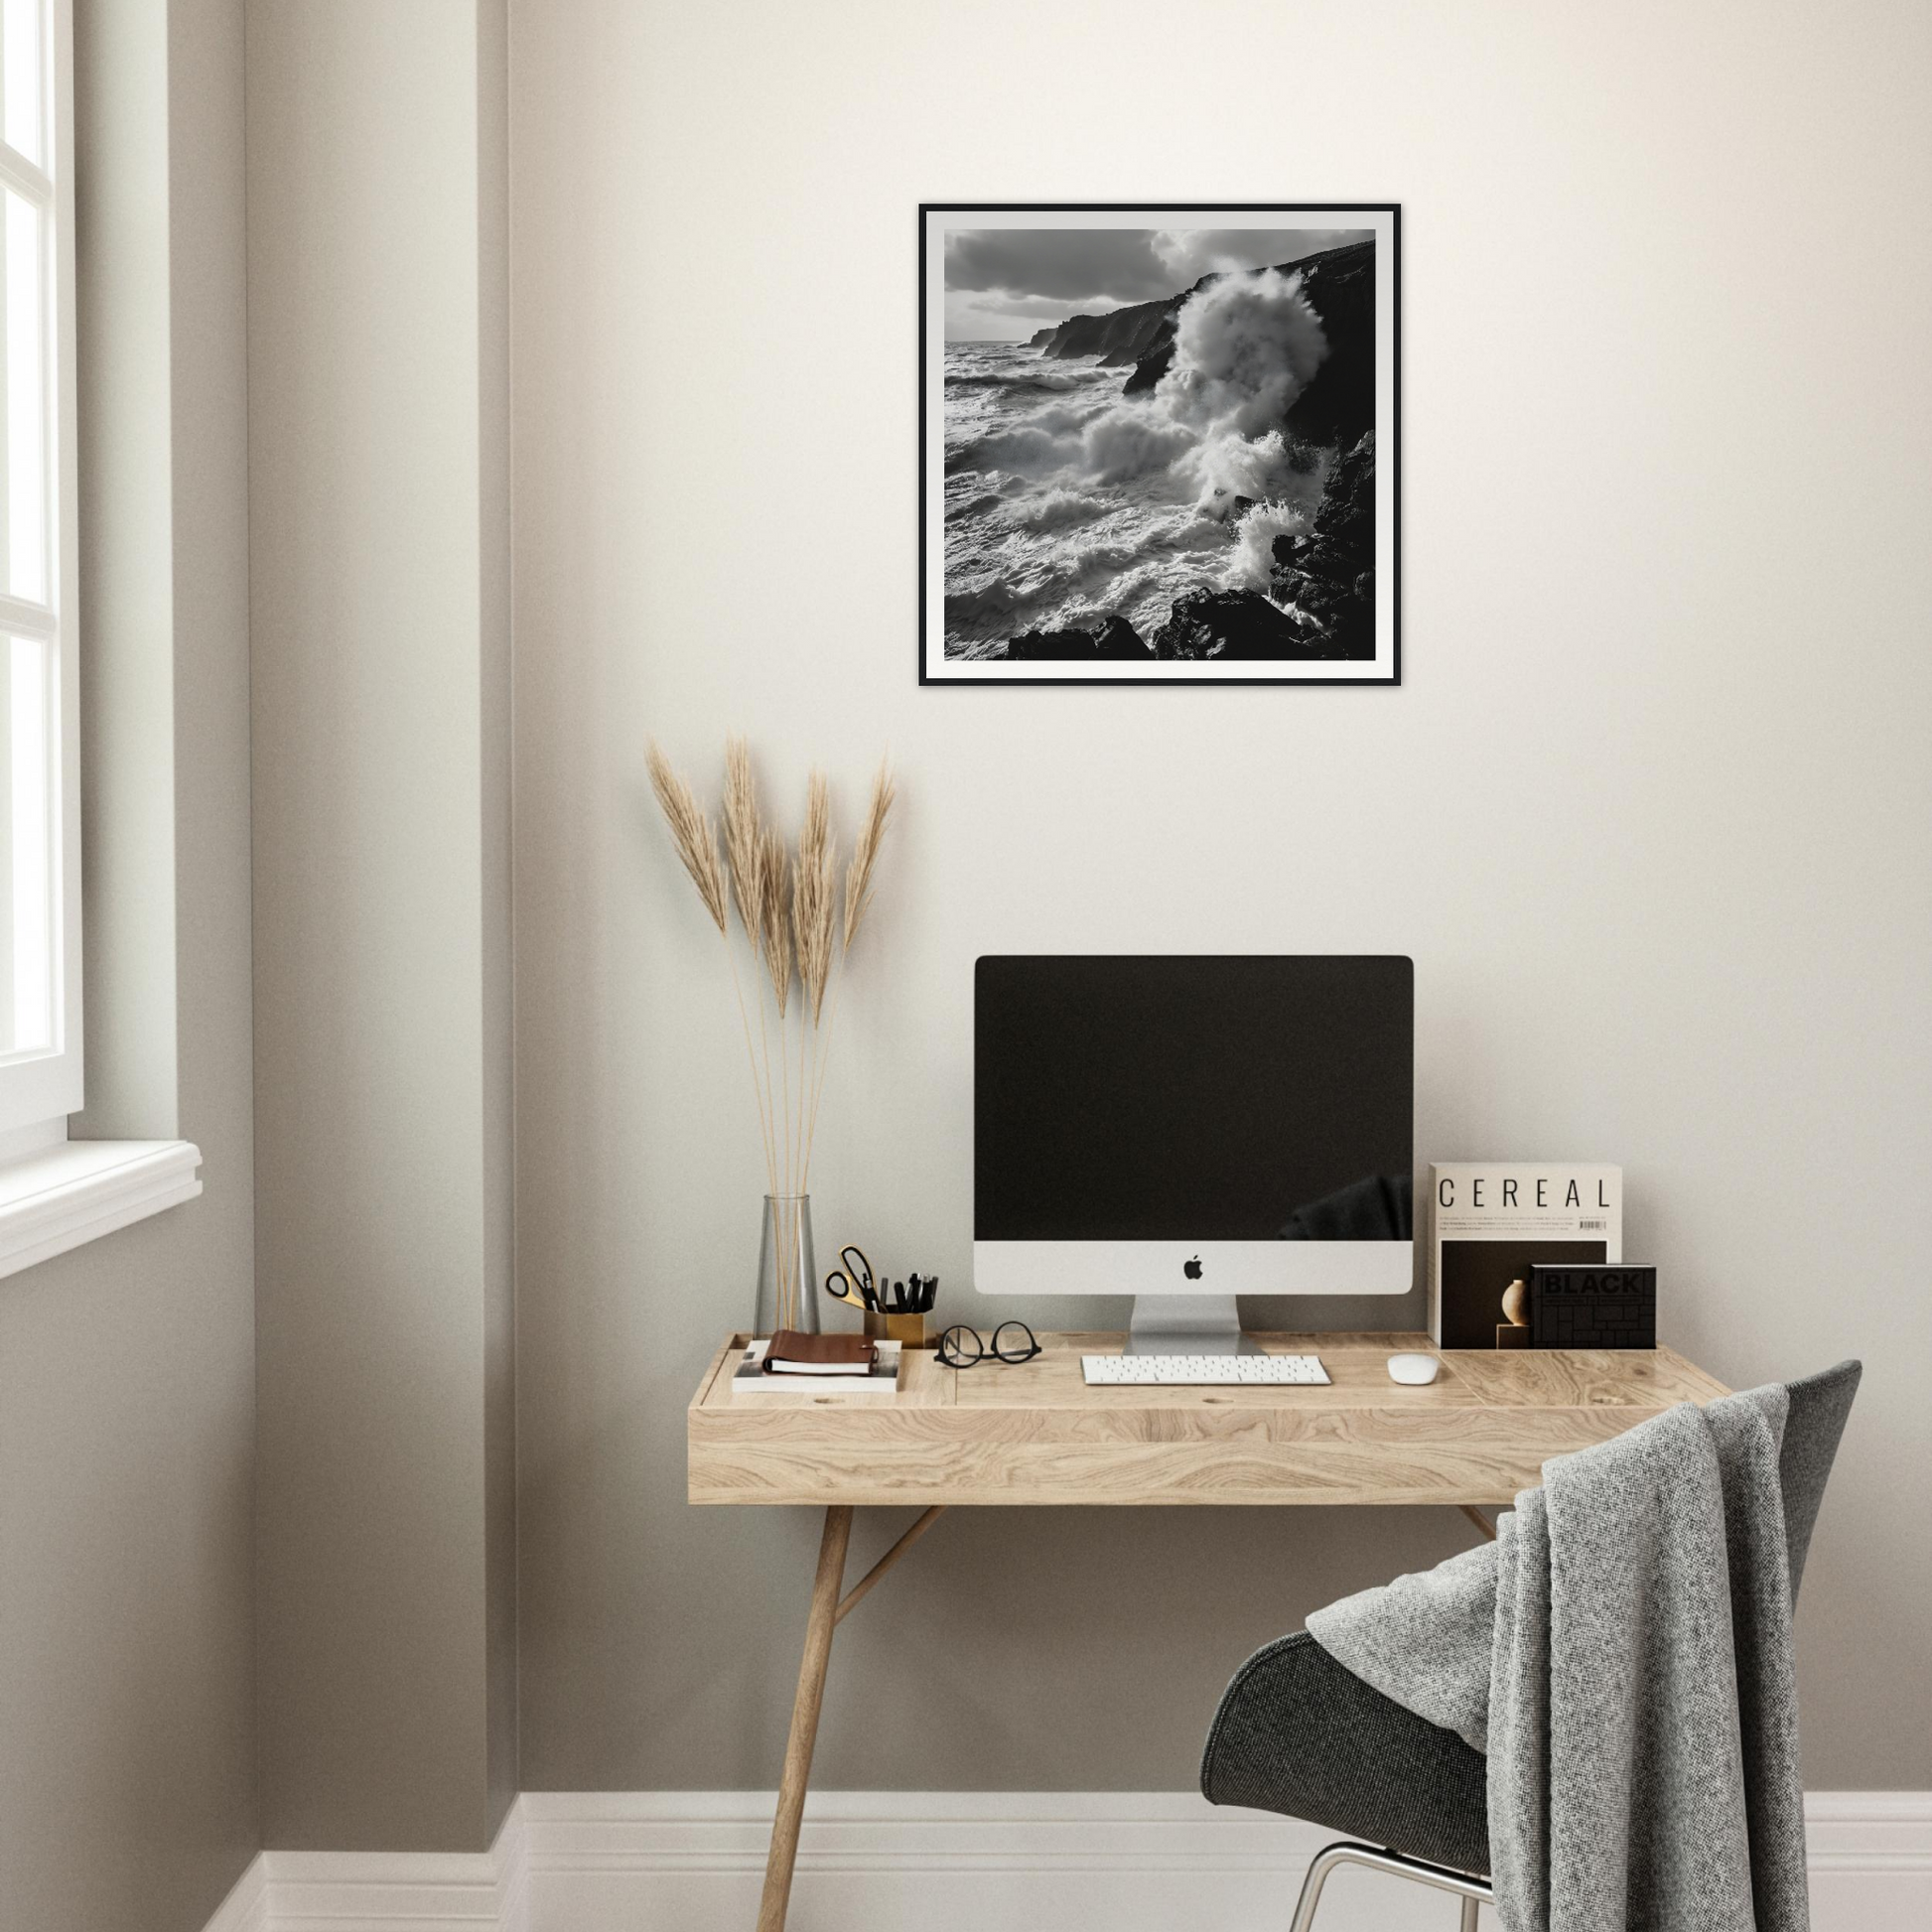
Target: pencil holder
<point>906,1328</point>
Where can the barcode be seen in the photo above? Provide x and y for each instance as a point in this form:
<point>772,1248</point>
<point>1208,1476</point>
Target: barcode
<point>1593,1224</point>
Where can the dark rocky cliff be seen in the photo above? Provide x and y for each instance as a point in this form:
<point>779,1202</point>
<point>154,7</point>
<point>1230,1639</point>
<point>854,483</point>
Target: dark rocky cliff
<point>1325,577</point>
<point>1328,575</point>
<point>1232,623</point>
<point>1340,404</point>
<point>1112,638</point>
<point>1121,337</point>
<point>1321,603</point>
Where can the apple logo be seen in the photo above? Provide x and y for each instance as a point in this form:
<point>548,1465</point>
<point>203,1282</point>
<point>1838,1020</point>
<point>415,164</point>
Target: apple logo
<point>1192,1268</point>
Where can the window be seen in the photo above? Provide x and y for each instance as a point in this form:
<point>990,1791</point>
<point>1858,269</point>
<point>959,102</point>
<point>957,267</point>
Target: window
<point>40,845</point>
<point>55,1194</point>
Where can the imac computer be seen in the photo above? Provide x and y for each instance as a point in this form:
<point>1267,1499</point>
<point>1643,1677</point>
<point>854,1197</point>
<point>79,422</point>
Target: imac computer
<point>1184,1130</point>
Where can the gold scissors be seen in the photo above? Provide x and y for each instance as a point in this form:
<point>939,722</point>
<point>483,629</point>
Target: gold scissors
<point>852,1282</point>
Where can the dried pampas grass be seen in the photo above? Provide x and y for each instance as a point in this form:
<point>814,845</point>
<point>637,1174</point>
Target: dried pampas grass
<point>787,909</point>
<point>743,846</point>
<point>774,917</point>
<point>865,853</point>
<point>814,897</point>
<point>690,832</point>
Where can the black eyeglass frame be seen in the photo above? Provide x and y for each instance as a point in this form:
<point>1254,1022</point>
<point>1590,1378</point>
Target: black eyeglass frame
<point>950,1357</point>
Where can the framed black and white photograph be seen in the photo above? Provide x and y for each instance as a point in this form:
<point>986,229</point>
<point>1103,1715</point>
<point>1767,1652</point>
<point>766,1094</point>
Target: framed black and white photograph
<point>1159,443</point>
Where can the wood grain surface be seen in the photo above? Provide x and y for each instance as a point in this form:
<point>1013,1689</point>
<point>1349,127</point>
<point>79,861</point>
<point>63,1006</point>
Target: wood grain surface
<point>1035,1433</point>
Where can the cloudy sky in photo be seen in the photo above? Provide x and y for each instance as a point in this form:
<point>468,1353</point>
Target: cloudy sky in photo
<point>1002,284</point>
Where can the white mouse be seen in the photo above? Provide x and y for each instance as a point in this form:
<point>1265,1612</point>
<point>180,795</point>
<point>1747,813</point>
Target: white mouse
<point>1414,1369</point>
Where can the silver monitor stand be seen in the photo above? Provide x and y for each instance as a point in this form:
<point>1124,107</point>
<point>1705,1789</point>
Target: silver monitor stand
<point>1187,1324</point>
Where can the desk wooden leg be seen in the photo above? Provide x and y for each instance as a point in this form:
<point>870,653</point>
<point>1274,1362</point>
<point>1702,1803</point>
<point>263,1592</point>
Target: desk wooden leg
<point>857,1593</point>
<point>804,1719</point>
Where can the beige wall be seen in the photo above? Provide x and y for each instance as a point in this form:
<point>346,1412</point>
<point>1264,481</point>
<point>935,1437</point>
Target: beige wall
<point>498,1136</point>
<point>1651,810</point>
<point>127,1786</point>
<point>378,506</point>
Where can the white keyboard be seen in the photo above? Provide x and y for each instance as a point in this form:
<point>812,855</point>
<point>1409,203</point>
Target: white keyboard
<point>1201,1371</point>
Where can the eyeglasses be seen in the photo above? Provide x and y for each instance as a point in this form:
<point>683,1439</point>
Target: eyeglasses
<point>1013,1341</point>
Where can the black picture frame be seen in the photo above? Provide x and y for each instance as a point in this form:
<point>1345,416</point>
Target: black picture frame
<point>1383,672</point>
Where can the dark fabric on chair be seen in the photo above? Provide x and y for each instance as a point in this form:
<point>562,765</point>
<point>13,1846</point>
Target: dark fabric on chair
<point>1303,1736</point>
<point>1300,1733</point>
<point>1819,1406</point>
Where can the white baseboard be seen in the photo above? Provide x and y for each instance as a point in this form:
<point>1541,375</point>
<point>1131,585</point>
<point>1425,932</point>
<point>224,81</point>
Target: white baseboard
<point>955,1862</point>
<point>246,1910</point>
<point>384,1891</point>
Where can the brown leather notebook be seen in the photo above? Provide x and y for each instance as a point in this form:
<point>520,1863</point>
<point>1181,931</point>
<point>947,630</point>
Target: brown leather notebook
<point>793,1353</point>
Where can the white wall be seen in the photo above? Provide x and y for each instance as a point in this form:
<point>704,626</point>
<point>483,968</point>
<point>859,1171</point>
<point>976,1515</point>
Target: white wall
<point>1650,810</point>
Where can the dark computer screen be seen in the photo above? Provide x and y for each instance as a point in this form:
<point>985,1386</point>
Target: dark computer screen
<point>1216,1098</point>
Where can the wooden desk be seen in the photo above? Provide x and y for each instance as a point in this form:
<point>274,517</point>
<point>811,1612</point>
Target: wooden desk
<point>1033,1433</point>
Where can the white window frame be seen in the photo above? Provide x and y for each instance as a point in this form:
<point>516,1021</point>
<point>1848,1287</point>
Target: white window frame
<point>54,1193</point>
<point>39,1089</point>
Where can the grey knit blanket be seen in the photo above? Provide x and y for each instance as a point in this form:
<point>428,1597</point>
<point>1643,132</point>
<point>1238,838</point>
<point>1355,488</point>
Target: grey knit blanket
<point>1622,1652</point>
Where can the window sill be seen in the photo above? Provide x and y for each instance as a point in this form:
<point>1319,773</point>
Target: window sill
<point>78,1191</point>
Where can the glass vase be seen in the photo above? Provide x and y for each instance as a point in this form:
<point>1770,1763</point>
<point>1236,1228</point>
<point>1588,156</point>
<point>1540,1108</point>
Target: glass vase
<point>787,1271</point>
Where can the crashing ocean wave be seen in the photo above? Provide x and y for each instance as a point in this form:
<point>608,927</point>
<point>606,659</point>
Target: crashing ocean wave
<point>1059,385</point>
<point>1066,506</point>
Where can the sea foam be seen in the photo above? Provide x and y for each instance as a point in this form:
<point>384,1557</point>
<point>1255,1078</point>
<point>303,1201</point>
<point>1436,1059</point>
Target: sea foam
<point>1115,503</point>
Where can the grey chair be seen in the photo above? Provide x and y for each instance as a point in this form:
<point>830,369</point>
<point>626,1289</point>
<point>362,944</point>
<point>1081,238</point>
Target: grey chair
<point>1300,1735</point>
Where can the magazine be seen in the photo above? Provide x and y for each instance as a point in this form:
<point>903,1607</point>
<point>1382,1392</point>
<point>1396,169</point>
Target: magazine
<point>1490,1220</point>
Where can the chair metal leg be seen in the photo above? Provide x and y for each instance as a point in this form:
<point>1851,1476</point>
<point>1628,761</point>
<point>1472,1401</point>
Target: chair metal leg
<point>1473,1891</point>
